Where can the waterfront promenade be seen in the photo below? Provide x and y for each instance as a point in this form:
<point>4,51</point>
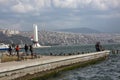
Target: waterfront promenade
<point>16,69</point>
<point>8,66</point>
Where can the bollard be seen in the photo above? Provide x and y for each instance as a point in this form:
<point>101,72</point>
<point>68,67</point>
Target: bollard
<point>113,51</point>
<point>82,52</point>
<point>51,54</point>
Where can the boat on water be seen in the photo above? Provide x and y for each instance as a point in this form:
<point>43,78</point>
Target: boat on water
<point>3,46</point>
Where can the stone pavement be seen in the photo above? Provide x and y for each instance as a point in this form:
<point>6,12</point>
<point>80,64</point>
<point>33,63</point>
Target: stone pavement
<point>8,66</point>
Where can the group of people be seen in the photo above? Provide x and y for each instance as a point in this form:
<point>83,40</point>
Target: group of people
<point>17,49</point>
<point>30,48</point>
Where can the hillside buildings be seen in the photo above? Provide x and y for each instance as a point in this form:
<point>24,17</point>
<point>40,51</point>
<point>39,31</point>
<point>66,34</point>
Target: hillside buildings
<point>9,32</point>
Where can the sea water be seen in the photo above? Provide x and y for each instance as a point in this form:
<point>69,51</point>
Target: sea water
<point>106,70</point>
<point>73,49</point>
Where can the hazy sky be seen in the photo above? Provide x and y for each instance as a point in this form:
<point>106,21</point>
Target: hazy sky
<point>59,14</point>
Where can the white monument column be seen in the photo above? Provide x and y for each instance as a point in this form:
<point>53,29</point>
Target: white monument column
<point>35,38</point>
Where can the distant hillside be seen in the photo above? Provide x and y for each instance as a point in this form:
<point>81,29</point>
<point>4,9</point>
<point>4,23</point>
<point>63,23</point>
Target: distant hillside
<point>14,38</point>
<point>79,30</point>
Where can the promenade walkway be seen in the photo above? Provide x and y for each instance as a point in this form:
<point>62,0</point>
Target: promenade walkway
<point>8,66</point>
<point>15,69</point>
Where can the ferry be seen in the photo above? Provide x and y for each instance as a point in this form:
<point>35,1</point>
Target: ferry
<point>3,46</point>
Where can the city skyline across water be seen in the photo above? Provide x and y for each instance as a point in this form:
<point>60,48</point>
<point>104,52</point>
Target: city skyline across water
<point>52,38</point>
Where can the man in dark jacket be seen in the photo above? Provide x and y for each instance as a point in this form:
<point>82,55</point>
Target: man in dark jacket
<point>10,50</point>
<point>26,49</point>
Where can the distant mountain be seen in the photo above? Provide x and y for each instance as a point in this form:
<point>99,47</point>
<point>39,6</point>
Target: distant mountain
<point>114,30</point>
<point>79,30</point>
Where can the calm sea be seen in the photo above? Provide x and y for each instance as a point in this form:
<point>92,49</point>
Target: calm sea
<point>106,70</point>
<point>73,49</point>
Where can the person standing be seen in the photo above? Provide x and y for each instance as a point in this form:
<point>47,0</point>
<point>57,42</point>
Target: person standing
<point>10,50</point>
<point>26,49</point>
<point>17,50</point>
<point>98,46</point>
<point>31,50</point>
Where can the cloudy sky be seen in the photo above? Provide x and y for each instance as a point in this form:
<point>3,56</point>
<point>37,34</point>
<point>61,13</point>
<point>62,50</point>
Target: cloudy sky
<point>103,15</point>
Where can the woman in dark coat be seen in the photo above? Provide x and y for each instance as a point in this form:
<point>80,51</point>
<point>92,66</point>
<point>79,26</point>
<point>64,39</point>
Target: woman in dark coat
<point>31,50</point>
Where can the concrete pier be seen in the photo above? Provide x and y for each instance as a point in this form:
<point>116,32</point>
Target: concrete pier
<point>16,69</point>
